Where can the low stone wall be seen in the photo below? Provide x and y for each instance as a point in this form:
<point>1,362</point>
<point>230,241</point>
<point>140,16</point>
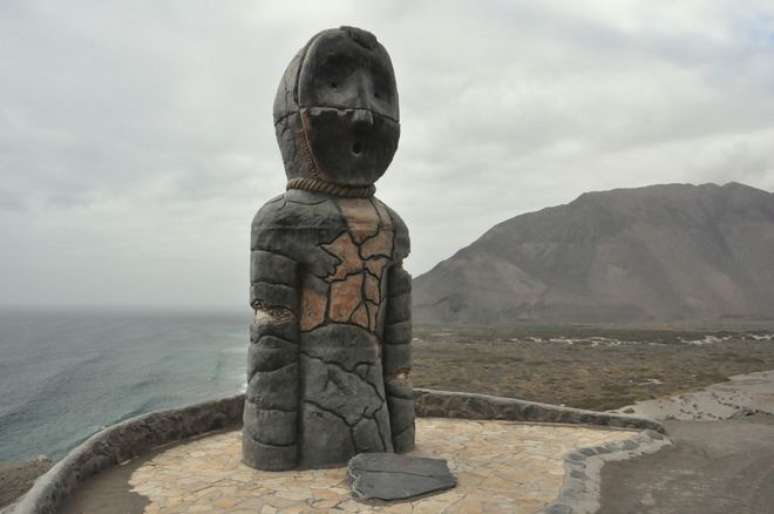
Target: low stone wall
<point>583,467</point>
<point>446,404</point>
<point>139,435</point>
<point>122,442</point>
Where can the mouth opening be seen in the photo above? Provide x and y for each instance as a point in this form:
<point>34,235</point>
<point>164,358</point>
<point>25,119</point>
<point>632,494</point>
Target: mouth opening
<point>357,148</point>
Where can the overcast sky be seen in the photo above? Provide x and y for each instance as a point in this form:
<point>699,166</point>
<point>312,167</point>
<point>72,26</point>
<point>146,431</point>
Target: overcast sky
<point>136,137</point>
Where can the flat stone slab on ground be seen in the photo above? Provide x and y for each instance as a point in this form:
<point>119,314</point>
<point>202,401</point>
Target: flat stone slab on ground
<point>387,476</point>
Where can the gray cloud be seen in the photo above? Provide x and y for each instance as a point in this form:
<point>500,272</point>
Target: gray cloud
<point>10,201</point>
<point>136,139</point>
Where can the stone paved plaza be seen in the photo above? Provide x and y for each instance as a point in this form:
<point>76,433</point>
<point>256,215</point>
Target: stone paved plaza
<point>501,467</point>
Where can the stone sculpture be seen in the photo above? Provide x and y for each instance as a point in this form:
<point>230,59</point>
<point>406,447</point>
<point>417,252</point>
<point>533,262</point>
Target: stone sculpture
<point>329,352</point>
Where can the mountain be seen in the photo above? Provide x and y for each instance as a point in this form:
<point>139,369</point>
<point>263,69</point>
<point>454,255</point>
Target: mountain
<point>657,253</point>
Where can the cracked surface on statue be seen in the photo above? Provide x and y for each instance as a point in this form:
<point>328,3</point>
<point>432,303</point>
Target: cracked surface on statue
<point>329,352</point>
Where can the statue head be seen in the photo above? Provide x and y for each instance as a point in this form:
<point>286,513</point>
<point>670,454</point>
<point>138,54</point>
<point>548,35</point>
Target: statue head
<point>336,109</point>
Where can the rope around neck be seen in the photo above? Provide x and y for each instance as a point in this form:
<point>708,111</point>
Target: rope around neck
<point>319,186</point>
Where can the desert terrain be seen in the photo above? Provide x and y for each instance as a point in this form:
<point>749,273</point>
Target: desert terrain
<point>590,367</point>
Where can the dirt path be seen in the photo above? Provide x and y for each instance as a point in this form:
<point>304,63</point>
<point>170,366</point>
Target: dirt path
<point>716,467</point>
<point>722,459</point>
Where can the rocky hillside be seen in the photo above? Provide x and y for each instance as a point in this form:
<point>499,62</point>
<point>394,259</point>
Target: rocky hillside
<point>657,253</point>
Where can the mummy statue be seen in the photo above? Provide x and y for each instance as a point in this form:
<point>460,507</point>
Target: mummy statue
<point>329,353</point>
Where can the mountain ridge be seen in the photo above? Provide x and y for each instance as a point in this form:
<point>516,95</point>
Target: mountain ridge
<point>663,252</point>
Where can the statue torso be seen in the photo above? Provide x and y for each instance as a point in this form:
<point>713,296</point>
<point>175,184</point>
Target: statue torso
<point>344,248</point>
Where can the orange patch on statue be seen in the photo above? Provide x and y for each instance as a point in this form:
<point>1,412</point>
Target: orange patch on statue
<point>346,251</point>
<point>380,244</point>
<point>313,306</point>
<point>372,289</point>
<point>364,252</point>
<point>376,265</point>
<point>362,219</point>
<point>360,316</point>
<point>346,295</point>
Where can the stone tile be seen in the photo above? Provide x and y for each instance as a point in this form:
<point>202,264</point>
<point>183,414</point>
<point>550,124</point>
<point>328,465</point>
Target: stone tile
<point>501,467</point>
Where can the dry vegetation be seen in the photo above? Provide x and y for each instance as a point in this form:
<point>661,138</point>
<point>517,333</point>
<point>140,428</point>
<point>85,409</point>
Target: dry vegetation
<point>586,367</point>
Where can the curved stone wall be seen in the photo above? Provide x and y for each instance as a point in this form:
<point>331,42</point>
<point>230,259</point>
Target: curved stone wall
<point>121,442</point>
<point>133,437</point>
<point>582,480</point>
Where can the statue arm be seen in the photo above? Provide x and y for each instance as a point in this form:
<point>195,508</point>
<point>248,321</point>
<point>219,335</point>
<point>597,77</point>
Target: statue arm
<point>397,358</point>
<point>270,429</point>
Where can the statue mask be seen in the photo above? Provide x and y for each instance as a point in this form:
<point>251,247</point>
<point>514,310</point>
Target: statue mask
<point>342,109</point>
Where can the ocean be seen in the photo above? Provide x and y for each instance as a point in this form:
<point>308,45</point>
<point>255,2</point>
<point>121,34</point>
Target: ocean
<point>65,374</point>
